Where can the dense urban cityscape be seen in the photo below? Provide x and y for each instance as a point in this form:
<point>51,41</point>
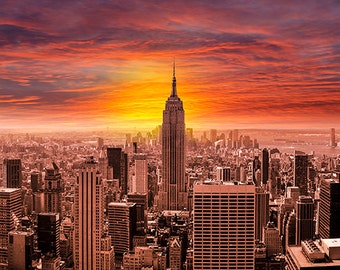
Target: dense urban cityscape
<point>168,199</point>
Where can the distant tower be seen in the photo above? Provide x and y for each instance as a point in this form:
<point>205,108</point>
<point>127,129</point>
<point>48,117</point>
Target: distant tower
<point>213,135</point>
<point>223,174</point>
<point>10,215</point>
<point>52,189</point>
<point>332,141</point>
<point>36,181</point>
<point>304,219</point>
<point>89,217</point>
<point>265,166</point>
<point>174,193</point>
<point>301,172</point>
<point>329,212</point>
<point>12,173</point>
<point>223,214</point>
<point>140,183</point>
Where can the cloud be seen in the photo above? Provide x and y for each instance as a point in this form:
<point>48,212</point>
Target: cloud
<point>237,60</point>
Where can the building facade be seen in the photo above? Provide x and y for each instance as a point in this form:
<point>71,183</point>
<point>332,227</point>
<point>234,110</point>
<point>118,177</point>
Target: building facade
<point>223,226</point>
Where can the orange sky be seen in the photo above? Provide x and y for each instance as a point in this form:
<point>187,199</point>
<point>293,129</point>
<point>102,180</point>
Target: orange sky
<point>240,64</point>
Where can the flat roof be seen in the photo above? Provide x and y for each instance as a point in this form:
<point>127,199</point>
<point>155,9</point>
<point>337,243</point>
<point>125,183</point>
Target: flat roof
<point>302,261</point>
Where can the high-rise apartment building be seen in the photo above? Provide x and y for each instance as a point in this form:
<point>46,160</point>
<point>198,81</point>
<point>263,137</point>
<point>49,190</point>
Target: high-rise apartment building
<point>52,189</point>
<point>10,216</point>
<point>223,226</point>
<point>12,173</point>
<point>329,208</point>
<point>174,193</point>
<point>89,217</point>
<point>301,172</point>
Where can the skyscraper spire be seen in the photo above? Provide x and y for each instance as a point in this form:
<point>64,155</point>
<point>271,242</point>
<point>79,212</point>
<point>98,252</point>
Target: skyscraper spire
<point>174,88</point>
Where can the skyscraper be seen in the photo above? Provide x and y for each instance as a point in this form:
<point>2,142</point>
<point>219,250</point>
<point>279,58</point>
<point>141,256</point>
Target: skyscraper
<point>49,234</point>
<point>118,162</point>
<point>12,173</point>
<point>223,226</point>
<point>261,211</point>
<point>140,181</point>
<point>332,140</point>
<point>301,172</point>
<point>329,212</point>
<point>52,189</point>
<point>89,216</point>
<point>265,166</point>
<point>174,193</point>
<point>304,219</point>
<point>10,215</point>
<point>122,225</point>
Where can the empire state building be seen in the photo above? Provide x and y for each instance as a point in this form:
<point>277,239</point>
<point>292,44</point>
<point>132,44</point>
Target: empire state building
<point>173,195</point>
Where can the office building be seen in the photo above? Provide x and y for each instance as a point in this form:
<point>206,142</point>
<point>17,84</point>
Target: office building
<point>271,237</point>
<point>49,234</point>
<point>122,225</point>
<point>52,189</point>
<point>301,172</point>
<point>173,195</point>
<point>118,163</point>
<point>20,249</point>
<point>12,173</point>
<point>140,180</point>
<point>304,219</point>
<point>141,202</point>
<point>89,216</point>
<point>261,211</point>
<point>223,225</point>
<point>265,166</point>
<point>329,208</point>
<point>10,216</point>
<point>36,181</point>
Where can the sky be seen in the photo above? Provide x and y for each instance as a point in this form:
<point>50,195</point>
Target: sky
<point>108,64</point>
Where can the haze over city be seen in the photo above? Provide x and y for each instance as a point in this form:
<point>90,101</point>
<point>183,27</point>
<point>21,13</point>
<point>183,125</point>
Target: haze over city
<point>106,64</point>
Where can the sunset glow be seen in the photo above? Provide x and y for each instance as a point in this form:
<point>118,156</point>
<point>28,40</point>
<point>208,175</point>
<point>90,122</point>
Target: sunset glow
<point>240,64</point>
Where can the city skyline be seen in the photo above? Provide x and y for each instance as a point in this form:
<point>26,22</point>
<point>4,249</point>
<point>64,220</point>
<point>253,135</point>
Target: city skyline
<point>99,64</point>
